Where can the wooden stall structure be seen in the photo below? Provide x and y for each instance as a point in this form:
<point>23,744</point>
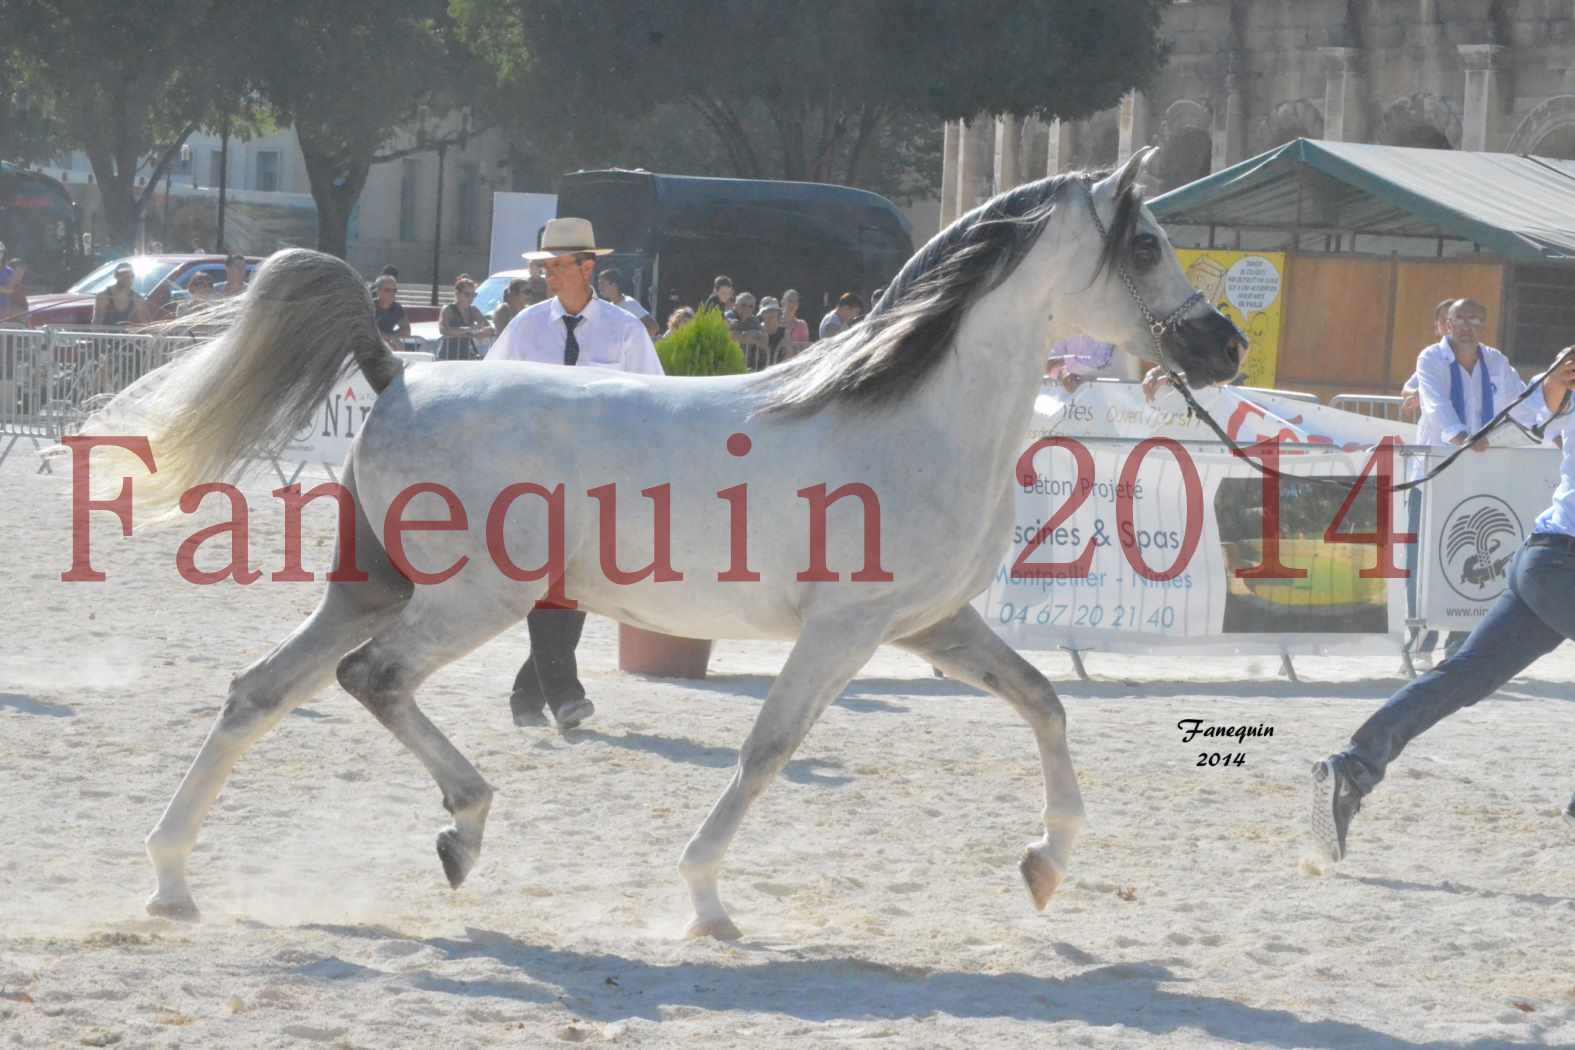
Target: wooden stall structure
<point>1375,236</point>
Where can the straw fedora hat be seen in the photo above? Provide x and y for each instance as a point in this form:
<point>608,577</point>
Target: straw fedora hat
<point>566,237</point>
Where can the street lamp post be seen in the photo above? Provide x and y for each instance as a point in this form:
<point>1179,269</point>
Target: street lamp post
<point>437,223</point>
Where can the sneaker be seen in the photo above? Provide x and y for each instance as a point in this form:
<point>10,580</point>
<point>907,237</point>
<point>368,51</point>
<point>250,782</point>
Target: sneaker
<point>1335,802</point>
<point>528,712</point>
<point>574,712</point>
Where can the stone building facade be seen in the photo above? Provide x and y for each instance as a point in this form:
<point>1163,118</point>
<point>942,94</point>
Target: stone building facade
<point>1245,76</point>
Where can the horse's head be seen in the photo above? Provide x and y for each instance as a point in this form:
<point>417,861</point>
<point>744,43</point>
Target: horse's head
<point>1140,298</point>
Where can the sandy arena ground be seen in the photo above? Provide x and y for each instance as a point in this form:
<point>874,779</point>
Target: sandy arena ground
<point>876,883</point>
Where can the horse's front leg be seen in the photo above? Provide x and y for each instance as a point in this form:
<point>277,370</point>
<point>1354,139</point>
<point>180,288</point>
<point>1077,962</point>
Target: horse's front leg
<point>964,648</point>
<point>828,653</point>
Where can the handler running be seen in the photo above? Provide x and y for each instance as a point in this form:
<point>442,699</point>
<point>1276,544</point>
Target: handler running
<point>1532,617</point>
<point>571,328</point>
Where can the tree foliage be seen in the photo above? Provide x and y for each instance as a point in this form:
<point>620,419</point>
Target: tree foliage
<point>800,89</point>
<point>703,347</point>
<point>348,75</point>
<point>125,83</point>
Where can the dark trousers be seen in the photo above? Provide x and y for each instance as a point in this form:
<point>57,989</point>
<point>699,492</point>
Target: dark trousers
<point>551,676</point>
<point>1530,619</point>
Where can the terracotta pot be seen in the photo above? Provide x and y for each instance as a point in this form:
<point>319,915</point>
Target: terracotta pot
<point>664,655</point>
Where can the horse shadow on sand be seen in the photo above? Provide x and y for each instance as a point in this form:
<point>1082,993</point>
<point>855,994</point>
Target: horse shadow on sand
<point>680,749</point>
<point>601,988</point>
<point>28,705</point>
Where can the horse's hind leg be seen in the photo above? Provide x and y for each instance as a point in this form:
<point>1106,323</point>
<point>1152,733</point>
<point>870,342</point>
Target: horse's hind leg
<point>439,626</point>
<point>826,656</point>
<point>259,697</point>
<point>965,648</point>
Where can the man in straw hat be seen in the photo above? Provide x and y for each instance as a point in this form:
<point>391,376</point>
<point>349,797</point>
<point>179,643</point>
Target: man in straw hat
<point>573,328</point>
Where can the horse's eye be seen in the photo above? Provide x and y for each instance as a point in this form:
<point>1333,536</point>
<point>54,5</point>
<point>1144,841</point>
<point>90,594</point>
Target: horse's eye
<point>1145,251</point>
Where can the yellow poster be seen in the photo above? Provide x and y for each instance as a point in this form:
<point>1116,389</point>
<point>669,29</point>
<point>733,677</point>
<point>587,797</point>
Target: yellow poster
<point>1247,287</point>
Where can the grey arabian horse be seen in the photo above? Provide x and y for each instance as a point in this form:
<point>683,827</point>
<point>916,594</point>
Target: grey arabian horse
<point>857,495</point>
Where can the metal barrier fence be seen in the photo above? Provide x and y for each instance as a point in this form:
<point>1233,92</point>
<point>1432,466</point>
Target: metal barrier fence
<point>51,379</point>
<point>1379,406</point>
<point>758,354</point>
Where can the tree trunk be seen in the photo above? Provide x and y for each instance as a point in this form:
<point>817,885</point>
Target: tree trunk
<point>869,122</point>
<point>118,198</point>
<point>336,183</point>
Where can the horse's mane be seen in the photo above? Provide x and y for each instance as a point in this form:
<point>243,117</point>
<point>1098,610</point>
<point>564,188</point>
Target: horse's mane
<point>908,331</point>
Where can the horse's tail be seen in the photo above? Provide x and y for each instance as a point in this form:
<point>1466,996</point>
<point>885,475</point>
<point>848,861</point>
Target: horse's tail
<point>285,344</point>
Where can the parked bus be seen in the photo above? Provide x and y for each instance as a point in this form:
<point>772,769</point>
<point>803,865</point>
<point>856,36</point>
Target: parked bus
<point>675,233</point>
<point>40,224</point>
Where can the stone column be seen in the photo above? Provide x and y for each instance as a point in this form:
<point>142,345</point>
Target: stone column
<point>1230,122</point>
<point>1133,122</point>
<point>1487,91</point>
<point>949,158</point>
<point>1008,136</point>
<point>1058,158</point>
<point>1343,94</point>
<point>974,148</point>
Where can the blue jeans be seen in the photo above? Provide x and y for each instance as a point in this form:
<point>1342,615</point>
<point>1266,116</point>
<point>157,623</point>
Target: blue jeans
<point>1532,617</point>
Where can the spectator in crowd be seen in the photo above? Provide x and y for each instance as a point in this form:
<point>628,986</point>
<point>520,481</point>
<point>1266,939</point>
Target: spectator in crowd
<point>119,304</point>
<point>390,271</point>
<point>516,297</point>
<point>1531,618</point>
<point>577,329</point>
<point>461,323</point>
<point>721,297</point>
<point>797,327</point>
<point>1076,359</point>
<point>742,317</point>
<point>1461,384</point>
<point>13,293</point>
<point>199,294</point>
<point>1410,399</point>
<point>392,324</point>
<point>234,282</point>
<point>609,285</point>
<point>678,318</point>
<point>1422,644</point>
<point>849,307</point>
<point>771,327</point>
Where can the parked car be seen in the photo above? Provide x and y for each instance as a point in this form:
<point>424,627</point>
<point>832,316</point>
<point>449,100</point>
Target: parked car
<point>161,279</point>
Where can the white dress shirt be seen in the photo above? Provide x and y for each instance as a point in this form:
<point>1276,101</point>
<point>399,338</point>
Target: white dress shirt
<point>1440,422</point>
<point>608,338</point>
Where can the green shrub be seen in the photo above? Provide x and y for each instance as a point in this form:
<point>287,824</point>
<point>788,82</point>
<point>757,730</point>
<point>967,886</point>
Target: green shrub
<point>703,347</point>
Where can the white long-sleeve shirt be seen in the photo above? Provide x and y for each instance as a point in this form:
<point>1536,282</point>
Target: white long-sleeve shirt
<point>1560,517</point>
<point>1440,422</point>
<point>608,338</point>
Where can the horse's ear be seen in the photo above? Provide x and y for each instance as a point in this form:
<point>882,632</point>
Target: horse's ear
<point>1127,175</point>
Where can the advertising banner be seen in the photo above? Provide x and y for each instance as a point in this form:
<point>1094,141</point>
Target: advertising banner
<point>1247,287</point>
<point>326,440</point>
<point>1136,529</point>
<point>1475,516</point>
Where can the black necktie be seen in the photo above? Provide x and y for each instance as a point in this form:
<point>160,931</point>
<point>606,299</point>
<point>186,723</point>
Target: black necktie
<point>571,345</point>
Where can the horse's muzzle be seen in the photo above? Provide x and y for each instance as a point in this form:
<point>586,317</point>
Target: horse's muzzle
<point>1209,349</point>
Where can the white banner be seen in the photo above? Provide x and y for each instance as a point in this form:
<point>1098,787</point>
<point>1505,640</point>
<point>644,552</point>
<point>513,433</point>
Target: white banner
<point>1475,515</point>
<point>326,440</point>
<point>1135,527</point>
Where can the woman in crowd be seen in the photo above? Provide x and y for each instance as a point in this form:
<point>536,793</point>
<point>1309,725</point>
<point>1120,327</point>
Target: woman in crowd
<point>797,328</point>
<point>771,326</point>
<point>678,318</point>
<point>200,289</point>
<point>461,324</point>
<point>392,324</point>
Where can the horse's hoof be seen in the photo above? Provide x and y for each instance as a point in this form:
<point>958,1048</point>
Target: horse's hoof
<point>1042,874</point>
<point>722,929</point>
<point>179,907</point>
<point>457,857</point>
